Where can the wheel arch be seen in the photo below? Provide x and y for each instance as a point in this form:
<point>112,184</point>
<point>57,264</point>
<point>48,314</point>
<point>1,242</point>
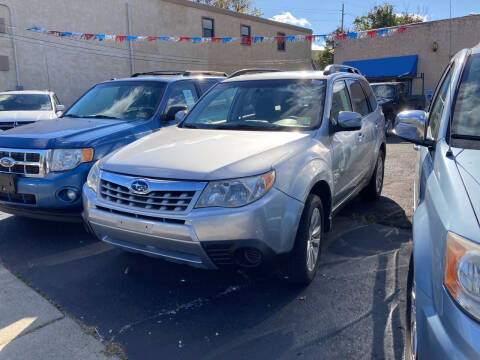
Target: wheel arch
<point>322,190</point>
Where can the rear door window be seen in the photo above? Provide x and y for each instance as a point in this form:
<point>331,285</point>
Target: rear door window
<point>359,101</point>
<point>340,100</point>
<point>370,95</point>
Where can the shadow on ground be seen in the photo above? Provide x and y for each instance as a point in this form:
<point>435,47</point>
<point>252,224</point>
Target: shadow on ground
<point>154,308</point>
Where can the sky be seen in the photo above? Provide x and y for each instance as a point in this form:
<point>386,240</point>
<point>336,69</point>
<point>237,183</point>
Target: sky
<point>324,17</point>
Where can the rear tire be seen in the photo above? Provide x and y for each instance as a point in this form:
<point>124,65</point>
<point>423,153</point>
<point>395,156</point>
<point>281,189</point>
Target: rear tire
<point>374,188</point>
<point>305,255</point>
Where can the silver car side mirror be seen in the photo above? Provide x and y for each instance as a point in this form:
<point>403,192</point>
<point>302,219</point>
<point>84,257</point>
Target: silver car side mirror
<point>410,125</point>
<point>348,120</point>
<point>60,107</point>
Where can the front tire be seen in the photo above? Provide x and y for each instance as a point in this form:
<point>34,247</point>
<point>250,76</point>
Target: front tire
<point>306,250</point>
<point>411,336</point>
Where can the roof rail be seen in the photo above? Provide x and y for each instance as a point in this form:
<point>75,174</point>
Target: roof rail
<point>204,72</point>
<point>181,73</point>
<point>251,71</point>
<point>333,68</point>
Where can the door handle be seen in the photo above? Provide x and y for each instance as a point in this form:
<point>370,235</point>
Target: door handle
<point>360,137</point>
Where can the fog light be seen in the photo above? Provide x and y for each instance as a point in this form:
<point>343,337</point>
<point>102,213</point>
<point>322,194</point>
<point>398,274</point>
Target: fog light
<point>249,257</point>
<point>69,195</point>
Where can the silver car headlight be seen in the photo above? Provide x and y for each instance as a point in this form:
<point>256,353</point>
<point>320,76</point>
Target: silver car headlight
<point>236,192</point>
<point>68,159</point>
<point>93,178</point>
<point>462,272</point>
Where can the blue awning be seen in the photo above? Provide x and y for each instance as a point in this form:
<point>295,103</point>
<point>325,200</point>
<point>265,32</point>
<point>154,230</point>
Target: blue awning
<point>392,67</point>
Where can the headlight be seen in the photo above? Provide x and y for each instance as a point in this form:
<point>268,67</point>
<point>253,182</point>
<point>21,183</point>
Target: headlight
<point>68,159</point>
<point>94,177</point>
<point>236,192</point>
<point>462,272</point>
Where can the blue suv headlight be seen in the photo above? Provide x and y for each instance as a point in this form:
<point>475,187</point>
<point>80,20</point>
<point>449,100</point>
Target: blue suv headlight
<point>462,272</point>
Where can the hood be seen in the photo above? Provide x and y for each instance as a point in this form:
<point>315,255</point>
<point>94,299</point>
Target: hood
<point>467,164</point>
<point>26,115</point>
<point>193,154</point>
<point>67,132</point>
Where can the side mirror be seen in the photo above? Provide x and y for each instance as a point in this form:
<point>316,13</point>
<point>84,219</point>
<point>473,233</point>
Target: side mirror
<point>410,126</point>
<point>179,116</point>
<point>348,120</point>
<point>170,115</point>
<point>60,109</point>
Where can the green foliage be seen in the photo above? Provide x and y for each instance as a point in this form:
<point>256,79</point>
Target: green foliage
<point>241,6</point>
<point>324,57</point>
<point>384,16</point>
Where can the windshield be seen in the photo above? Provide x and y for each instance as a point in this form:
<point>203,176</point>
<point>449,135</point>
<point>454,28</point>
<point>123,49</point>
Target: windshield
<point>383,91</point>
<point>130,100</point>
<point>260,105</point>
<point>25,102</point>
<point>466,119</point>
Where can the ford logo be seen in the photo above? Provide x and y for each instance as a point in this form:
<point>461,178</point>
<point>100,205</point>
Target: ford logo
<point>139,186</point>
<point>7,162</point>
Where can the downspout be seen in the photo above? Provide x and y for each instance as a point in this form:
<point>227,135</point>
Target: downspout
<point>130,45</point>
<point>14,42</point>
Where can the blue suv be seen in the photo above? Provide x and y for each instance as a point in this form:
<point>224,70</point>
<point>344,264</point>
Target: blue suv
<point>43,165</point>
<point>444,280</point>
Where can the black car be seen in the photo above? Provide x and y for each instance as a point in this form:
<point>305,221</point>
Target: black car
<point>394,97</point>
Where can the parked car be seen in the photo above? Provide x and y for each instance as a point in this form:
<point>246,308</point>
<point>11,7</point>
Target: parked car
<point>43,166</point>
<point>25,107</point>
<point>394,97</point>
<point>255,172</point>
<point>444,279</point>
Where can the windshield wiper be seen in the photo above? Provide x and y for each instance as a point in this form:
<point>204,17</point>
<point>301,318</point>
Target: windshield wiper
<point>190,126</point>
<point>264,126</point>
<point>100,117</point>
<point>466,137</point>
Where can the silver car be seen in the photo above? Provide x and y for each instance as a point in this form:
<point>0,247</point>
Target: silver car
<point>252,175</point>
<point>27,106</point>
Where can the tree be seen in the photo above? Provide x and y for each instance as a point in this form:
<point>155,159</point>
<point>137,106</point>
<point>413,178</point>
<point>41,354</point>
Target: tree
<point>384,16</point>
<point>324,57</point>
<point>241,6</point>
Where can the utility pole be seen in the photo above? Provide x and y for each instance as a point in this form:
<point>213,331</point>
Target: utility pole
<point>343,14</point>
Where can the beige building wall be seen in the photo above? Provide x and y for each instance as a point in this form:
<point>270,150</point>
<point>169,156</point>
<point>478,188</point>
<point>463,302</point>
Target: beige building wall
<point>417,40</point>
<point>70,67</point>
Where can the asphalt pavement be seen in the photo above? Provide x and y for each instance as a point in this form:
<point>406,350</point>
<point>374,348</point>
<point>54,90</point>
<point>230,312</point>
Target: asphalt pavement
<point>354,309</point>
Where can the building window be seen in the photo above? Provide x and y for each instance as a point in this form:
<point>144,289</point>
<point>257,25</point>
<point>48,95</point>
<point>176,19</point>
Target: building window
<point>281,42</point>
<point>207,28</point>
<point>245,33</point>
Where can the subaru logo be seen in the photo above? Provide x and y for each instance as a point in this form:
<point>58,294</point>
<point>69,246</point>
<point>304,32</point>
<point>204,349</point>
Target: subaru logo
<point>7,162</point>
<point>139,187</point>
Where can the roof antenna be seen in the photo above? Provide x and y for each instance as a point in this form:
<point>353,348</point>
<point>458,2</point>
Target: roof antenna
<point>449,151</point>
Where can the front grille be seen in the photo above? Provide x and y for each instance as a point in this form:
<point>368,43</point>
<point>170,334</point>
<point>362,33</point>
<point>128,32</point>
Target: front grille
<point>220,254</point>
<point>18,198</point>
<point>29,163</point>
<point>172,201</point>
<point>143,217</point>
<point>12,124</point>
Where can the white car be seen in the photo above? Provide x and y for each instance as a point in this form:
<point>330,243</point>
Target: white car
<point>24,107</point>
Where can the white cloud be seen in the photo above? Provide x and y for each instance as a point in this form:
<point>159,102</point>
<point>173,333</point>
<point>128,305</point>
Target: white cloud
<point>415,16</point>
<point>317,47</point>
<point>288,18</point>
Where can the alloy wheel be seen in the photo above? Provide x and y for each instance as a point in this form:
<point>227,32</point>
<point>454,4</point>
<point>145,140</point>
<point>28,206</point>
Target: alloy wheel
<point>379,175</point>
<point>314,236</point>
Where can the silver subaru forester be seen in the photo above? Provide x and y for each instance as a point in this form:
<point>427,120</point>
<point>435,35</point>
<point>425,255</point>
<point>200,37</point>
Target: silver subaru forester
<point>254,173</point>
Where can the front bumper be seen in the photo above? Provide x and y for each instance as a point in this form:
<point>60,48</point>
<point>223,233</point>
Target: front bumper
<point>446,334</point>
<point>43,195</point>
<point>204,238</point>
